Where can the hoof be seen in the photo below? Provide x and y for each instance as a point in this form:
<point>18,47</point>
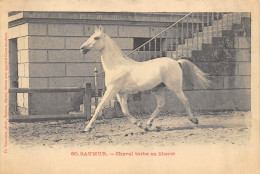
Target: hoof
<point>87,129</point>
<point>158,128</point>
<point>140,124</point>
<point>149,125</point>
<point>146,129</point>
<point>194,120</point>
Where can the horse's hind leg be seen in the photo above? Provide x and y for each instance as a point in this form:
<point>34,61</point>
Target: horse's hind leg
<point>185,102</point>
<point>160,98</point>
<point>175,84</point>
<point>122,98</point>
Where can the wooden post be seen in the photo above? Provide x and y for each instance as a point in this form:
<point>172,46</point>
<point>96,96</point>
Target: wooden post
<point>138,54</point>
<point>87,101</point>
<point>192,31</point>
<point>208,27</point>
<point>155,54</point>
<point>217,24</point>
<point>202,26</point>
<point>177,39</point>
<point>149,45</point>
<point>182,35</point>
<point>198,30</point>
<point>160,46</point>
<point>212,20</point>
<point>96,87</point>
<point>187,38</point>
<point>172,43</point>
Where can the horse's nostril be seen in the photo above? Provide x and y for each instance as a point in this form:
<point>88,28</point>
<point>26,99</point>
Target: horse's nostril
<point>83,47</point>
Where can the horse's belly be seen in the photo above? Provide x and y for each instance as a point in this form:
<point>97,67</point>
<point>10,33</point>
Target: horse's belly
<point>148,80</point>
<point>141,80</point>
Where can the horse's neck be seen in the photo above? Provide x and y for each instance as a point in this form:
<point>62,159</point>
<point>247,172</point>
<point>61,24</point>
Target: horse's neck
<point>111,56</point>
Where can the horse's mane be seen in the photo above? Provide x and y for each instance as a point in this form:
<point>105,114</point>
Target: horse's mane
<point>116,48</point>
<point>114,45</point>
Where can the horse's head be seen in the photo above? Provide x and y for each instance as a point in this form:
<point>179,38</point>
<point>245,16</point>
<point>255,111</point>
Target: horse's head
<point>95,41</point>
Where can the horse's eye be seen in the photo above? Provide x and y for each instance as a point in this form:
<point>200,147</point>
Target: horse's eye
<point>97,38</point>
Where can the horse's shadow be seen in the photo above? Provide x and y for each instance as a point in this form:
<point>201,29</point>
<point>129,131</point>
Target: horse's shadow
<point>168,129</point>
<point>165,128</point>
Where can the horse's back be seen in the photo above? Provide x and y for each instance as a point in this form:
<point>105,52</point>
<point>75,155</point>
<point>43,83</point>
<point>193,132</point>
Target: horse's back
<point>161,59</point>
<point>166,64</point>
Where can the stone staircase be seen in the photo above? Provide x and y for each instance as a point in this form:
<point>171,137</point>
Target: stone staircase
<point>235,24</point>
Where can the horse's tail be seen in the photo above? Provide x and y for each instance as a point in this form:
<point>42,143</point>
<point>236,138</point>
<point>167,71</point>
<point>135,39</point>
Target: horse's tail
<point>194,74</point>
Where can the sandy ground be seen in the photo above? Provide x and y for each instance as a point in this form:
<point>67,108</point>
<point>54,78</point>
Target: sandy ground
<point>171,129</point>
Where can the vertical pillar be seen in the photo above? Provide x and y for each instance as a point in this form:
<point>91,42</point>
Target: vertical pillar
<point>13,75</point>
<point>96,87</point>
<point>87,101</point>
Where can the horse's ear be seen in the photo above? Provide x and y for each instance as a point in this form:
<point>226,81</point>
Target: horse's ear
<point>101,28</point>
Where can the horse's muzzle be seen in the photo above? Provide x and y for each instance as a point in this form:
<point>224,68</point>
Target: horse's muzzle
<point>84,51</point>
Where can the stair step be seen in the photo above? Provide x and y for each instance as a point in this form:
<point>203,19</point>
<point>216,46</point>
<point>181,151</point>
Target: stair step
<point>190,47</point>
<point>194,43</point>
<point>233,33</point>
<point>220,25</point>
<point>246,20</point>
<point>204,39</point>
<point>209,33</point>
<point>185,53</point>
<point>236,17</point>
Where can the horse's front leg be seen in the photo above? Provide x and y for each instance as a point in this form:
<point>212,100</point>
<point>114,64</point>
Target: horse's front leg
<point>110,92</point>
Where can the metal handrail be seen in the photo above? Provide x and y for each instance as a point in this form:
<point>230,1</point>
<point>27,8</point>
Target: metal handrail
<point>166,29</point>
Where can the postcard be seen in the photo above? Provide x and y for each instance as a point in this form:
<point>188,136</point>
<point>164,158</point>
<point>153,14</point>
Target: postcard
<point>131,86</point>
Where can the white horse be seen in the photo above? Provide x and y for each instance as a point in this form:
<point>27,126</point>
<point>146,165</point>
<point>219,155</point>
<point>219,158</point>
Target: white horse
<point>125,76</point>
